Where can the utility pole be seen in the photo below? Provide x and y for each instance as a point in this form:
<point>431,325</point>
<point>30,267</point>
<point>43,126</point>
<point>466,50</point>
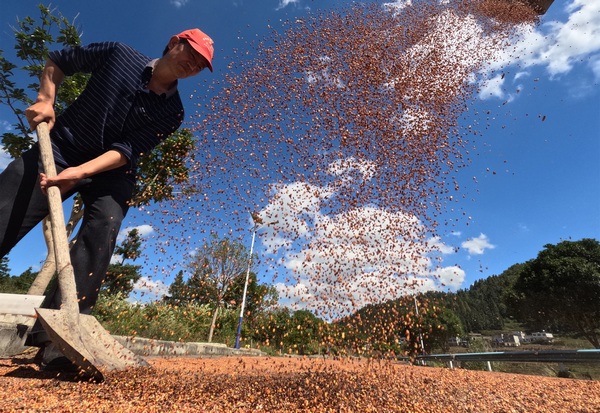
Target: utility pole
<point>420,334</point>
<point>256,220</point>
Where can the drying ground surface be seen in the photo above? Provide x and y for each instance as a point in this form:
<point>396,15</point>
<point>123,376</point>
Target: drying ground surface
<point>250,384</point>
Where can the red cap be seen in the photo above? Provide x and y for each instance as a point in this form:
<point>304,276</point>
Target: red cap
<point>201,43</point>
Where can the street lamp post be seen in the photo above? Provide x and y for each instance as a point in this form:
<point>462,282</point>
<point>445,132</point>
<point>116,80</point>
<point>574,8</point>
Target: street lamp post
<point>420,334</point>
<point>239,329</point>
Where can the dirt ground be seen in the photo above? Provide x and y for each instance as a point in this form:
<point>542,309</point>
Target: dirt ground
<point>282,384</point>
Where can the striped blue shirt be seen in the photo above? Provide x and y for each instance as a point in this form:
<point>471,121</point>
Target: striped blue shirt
<point>114,111</point>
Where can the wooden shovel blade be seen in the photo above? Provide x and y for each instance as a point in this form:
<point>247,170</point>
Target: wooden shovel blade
<point>86,343</point>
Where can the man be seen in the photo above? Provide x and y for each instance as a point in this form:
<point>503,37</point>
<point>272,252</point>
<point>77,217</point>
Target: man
<point>129,106</point>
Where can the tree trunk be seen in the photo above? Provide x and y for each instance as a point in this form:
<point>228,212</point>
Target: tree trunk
<point>213,323</point>
<point>39,285</point>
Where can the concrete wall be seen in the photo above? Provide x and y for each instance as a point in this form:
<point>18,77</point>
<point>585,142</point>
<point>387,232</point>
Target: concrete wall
<point>12,338</point>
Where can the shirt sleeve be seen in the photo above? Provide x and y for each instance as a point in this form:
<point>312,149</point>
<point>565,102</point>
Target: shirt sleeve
<point>82,59</point>
<point>142,141</point>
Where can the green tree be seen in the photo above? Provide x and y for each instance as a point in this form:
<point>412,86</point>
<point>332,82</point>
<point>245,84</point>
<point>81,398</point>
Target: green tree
<point>177,291</point>
<point>259,296</point>
<point>34,38</point>
<point>4,269</point>
<point>166,168</point>
<point>18,284</point>
<point>560,289</point>
<point>215,267</point>
<point>272,327</point>
<point>380,329</point>
<point>483,305</point>
<point>304,332</point>
<point>441,324</point>
<point>299,332</point>
<point>131,247</point>
<point>199,290</point>
<point>120,277</point>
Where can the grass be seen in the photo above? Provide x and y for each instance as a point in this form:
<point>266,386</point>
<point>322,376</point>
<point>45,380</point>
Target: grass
<point>581,371</point>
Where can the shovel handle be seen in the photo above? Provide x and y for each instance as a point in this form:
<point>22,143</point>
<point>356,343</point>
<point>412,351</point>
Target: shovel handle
<point>66,276</point>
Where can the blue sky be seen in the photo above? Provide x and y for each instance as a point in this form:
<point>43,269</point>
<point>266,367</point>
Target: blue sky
<point>534,177</point>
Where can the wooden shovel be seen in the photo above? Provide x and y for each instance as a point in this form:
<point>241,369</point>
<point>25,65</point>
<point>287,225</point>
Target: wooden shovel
<point>80,337</point>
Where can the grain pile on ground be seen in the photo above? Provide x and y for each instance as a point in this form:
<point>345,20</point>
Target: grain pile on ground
<point>291,385</point>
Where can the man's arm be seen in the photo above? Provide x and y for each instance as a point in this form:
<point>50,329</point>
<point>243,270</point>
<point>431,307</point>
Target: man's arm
<point>70,176</point>
<point>43,108</point>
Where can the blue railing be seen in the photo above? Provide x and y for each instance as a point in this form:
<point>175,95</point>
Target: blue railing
<point>545,356</point>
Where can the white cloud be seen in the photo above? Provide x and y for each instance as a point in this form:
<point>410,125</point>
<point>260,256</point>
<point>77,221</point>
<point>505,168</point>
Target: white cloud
<point>437,244</point>
<point>289,213</point>
<point>575,39</point>
<point>284,3</point>
<point>415,121</point>
<point>557,46</point>
<point>520,75</point>
<point>367,254</point>
<point>477,246</point>
<point>324,75</point>
<point>398,5</point>
<point>595,67</point>
<point>295,296</point>
<point>5,159</point>
<point>178,3</point>
<point>345,167</point>
<point>143,231</point>
<point>344,260</point>
<point>452,276</point>
<point>492,88</point>
<point>332,301</point>
<point>149,289</point>
<point>5,126</point>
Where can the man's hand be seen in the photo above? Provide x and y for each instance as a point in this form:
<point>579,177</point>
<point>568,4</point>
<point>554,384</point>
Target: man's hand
<point>43,108</point>
<point>65,180</point>
<point>69,177</point>
<point>41,111</point>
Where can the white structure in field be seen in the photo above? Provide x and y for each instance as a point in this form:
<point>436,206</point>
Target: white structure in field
<point>539,336</point>
<point>508,340</point>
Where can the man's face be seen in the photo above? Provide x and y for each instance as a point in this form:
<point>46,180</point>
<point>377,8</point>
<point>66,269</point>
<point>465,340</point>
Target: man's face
<point>187,61</point>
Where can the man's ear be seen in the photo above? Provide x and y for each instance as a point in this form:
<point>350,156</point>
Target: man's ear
<point>173,42</point>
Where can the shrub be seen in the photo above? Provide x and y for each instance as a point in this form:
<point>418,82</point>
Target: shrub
<point>155,320</point>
